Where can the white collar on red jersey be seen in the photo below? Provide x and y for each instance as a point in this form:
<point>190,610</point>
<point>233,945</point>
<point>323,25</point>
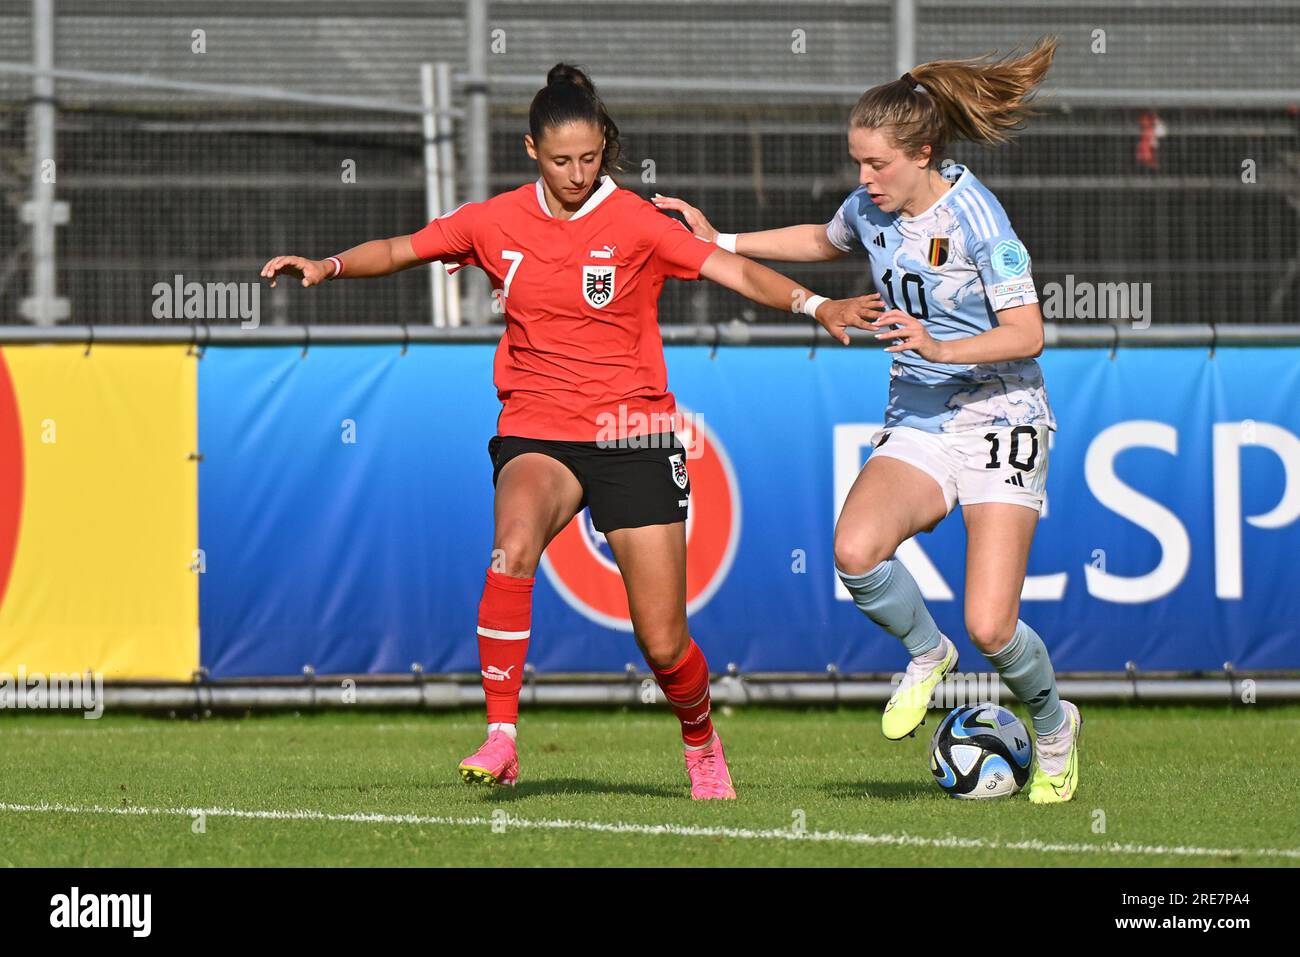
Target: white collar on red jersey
<point>606,187</point>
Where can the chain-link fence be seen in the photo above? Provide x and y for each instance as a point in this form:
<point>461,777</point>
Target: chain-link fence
<point>1167,155</point>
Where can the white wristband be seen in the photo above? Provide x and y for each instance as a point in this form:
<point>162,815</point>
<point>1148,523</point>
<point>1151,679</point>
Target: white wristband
<point>338,266</point>
<point>810,306</point>
<point>726,241</point>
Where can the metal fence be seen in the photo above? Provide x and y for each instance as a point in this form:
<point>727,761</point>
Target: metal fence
<point>1168,154</point>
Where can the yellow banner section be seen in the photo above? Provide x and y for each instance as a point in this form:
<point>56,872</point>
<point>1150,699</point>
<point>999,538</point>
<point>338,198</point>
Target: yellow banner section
<point>106,511</point>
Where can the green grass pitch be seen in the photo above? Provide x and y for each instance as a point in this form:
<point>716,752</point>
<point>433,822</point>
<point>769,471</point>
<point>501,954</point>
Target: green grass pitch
<point>1160,785</point>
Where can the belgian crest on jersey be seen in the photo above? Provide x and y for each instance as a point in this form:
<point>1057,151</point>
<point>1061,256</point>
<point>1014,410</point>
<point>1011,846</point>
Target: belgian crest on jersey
<point>938,251</point>
<point>678,463</point>
<point>598,285</point>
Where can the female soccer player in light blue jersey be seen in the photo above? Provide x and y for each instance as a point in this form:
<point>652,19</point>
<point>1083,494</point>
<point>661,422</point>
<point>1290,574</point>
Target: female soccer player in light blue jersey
<point>968,416</point>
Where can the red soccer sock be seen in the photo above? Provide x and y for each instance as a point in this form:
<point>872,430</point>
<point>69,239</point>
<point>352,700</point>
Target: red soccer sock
<point>686,686</point>
<point>504,619</point>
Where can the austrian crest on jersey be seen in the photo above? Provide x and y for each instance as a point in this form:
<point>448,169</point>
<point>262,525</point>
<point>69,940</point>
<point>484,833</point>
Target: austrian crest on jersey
<point>597,285</point>
<point>679,469</point>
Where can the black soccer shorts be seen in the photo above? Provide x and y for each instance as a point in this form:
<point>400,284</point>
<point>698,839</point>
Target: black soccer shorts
<point>641,480</point>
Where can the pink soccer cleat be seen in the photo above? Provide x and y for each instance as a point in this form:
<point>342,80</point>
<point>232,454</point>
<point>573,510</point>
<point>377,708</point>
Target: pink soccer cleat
<point>496,763</point>
<point>707,767</point>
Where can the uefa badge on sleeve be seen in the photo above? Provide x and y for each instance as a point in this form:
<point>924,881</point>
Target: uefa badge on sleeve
<point>598,285</point>
<point>1010,258</point>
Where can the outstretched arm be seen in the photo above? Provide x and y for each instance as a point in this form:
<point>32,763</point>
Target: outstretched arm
<point>806,243</point>
<point>767,287</point>
<point>378,257</point>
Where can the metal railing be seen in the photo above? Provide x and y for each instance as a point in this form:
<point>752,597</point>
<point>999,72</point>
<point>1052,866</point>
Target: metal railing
<point>716,335</point>
<point>444,692</point>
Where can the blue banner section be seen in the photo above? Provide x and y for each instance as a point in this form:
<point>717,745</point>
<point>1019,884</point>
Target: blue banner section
<point>346,514</point>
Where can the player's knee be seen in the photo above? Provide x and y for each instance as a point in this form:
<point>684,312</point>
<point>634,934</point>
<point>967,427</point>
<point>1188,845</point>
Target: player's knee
<point>518,551</point>
<point>990,633</point>
<point>664,645</point>
<point>858,554</point>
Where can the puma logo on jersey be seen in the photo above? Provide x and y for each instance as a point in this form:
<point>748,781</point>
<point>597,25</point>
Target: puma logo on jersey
<point>606,253</point>
<point>494,673</point>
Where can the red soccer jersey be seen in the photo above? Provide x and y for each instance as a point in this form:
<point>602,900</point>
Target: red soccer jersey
<point>581,358</point>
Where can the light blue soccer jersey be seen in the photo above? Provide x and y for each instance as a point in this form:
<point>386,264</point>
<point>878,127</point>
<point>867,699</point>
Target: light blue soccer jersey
<point>952,267</point>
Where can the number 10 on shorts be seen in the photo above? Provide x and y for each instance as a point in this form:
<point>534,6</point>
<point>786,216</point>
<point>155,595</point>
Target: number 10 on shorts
<point>1021,448</point>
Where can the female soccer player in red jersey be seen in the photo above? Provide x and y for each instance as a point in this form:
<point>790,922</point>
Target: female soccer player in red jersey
<point>968,420</point>
<point>578,264</point>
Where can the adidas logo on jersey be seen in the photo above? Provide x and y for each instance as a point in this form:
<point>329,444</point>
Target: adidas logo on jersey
<point>879,240</point>
<point>1015,480</point>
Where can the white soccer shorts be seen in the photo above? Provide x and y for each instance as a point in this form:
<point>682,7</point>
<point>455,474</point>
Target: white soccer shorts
<point>1001,463</point>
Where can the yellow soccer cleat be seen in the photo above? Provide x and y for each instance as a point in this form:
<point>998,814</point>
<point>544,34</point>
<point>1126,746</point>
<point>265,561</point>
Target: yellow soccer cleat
<point>1056,778</point>
<point>905,711</point>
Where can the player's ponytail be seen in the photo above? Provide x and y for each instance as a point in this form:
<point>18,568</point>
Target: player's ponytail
<point>982,99</point>
<point>570,97</point>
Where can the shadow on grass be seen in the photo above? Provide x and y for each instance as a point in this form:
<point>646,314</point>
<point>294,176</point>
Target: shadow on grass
<point>884,790</point>
<point>551,787</point>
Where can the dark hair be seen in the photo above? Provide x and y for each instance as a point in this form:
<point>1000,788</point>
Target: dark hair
<point>982,100</point>
<point>570,97</point>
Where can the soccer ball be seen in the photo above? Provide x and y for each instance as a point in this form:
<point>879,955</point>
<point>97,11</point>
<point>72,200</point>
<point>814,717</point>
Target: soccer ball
<point>980,751</point>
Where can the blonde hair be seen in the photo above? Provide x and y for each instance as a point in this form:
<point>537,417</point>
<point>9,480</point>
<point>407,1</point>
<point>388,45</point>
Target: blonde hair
<point>981,99</point>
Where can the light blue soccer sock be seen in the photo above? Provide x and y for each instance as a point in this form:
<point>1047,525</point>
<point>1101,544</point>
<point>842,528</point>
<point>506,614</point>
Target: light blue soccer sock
<point>888,596</point>
<point>1026,668</point>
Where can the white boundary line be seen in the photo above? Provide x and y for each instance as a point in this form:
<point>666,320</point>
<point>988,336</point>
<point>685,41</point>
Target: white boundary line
<point>673,830</point>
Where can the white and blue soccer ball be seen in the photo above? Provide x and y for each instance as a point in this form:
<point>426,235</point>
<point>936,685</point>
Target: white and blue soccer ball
<point>981,751</point>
